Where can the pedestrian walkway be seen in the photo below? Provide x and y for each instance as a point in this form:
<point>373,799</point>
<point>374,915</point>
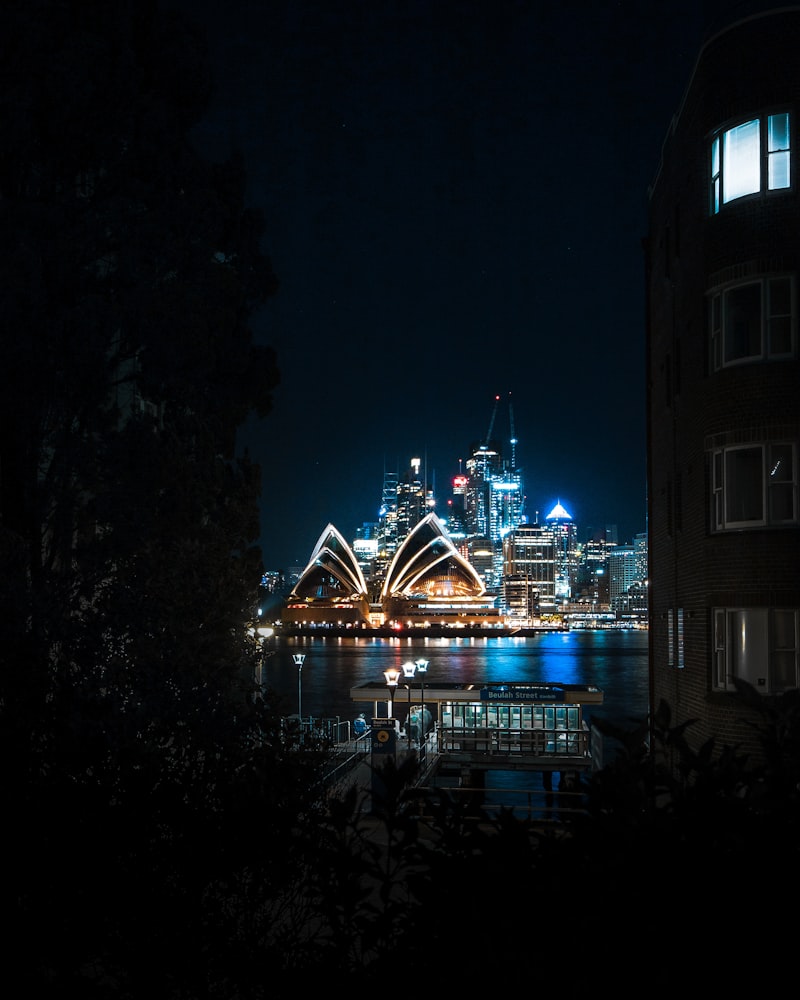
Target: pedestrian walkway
<point>358,765</point>
<point>545,793</point>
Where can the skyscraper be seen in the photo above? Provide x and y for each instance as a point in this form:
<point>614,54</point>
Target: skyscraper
<point>494,499</point>
<point>529,580</point>
<point>387,523</point>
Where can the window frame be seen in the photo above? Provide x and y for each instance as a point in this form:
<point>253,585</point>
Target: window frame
<point>774,157</point>
<point>766,630</point>
<point>771,312</point>
<point>772,455</point>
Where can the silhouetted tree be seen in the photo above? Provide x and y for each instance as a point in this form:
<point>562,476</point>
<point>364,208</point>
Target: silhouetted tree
<point>149,791</point>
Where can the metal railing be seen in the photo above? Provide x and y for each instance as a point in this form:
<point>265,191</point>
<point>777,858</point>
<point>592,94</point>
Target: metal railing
<point>528,742</point>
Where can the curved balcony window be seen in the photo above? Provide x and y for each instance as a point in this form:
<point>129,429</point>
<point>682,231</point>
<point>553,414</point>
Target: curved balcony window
<point>749,158</point>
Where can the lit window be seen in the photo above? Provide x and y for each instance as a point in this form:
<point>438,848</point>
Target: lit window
<point>670,639</point>
<point>675,638</point>
<point>754,485</point>
<point>757,645</point>
<point>750,157</point>
<point>741,161</point>
<point>778,152</point>
<point>753,322</point>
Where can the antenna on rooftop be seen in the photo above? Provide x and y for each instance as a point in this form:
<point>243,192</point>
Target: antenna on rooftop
<point>513,436</point>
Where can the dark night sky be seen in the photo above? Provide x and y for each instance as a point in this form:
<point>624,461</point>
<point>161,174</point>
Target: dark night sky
<point>455,195</point>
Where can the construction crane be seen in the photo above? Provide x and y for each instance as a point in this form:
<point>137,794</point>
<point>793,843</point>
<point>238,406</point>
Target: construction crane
<point>491,423</point>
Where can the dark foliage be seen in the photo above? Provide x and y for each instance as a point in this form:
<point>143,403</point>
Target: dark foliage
<point>148,789</point>
<point>661,867</point>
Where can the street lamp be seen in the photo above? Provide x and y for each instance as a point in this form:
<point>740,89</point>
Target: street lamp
<point>392,676</point>
<point>409,669</point>
<point>260,634</point>
<point>298,659</point>
<point>422,668</point>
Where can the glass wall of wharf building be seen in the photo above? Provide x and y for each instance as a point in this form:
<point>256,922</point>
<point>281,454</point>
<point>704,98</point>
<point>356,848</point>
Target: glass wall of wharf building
<point>551,729</point>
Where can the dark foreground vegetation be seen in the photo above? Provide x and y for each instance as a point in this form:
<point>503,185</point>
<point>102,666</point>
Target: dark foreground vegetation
<point>164,836</point>
<point>146,869</point>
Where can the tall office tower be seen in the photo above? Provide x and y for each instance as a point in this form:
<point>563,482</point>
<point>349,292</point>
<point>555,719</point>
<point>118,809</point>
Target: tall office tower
<point>592,581</point>
<point>366,552</point>
<point>454,519</point>
<point>722,376</point>
<point>387,525</point>
<point>565,535</point>
<point>483,465</point>
<point>622,573</point>
<point>493,496</point>
<point>272,582</point>
<point>480,553</point>
<point>365,547</point>
<point>505,513</point>
<point>414,500</point>
<point>506,502</point>
<point>627,586</point>
<point>529,571</point>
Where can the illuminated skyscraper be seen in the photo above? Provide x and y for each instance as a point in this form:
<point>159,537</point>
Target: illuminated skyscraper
<point>414,500</point>
<point>565,540</point>
<point>529,580</point>
<point>483,466</point>
<point>405,501</point>
<point>493,498</point>
<point>387,524</point>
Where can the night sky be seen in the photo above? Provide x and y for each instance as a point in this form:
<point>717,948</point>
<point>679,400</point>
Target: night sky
<point>455,196</point>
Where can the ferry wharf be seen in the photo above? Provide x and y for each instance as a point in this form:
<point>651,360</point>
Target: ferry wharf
<point>464,735</point>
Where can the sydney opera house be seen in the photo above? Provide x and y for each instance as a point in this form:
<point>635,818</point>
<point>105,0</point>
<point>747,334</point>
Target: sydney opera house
<point>427,584</point>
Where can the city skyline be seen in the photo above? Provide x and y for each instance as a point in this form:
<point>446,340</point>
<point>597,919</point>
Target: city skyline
<point>531,515</point>
<point>412,573</point>
<point>454,201</point>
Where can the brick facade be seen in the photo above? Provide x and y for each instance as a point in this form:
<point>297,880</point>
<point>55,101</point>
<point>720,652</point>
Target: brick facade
<point>748,70</point>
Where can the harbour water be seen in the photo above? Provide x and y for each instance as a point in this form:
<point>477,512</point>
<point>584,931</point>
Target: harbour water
<point>614,660</point>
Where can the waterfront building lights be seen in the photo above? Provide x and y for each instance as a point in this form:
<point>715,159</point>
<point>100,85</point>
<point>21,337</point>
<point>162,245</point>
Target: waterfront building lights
<point>392,676</point>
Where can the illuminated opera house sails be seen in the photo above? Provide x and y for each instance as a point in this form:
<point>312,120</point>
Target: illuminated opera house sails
<point>428,581</point>
<point>332,588</point>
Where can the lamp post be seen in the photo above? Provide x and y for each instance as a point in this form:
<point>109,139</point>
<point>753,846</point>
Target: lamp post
<point>409,669</point>
<point>298,659</point>
<point>392,676</point>
<point>422,668</point>
<point>263,632</point>
<point>260,634</point>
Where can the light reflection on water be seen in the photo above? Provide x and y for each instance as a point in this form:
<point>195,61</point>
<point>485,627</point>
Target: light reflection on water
<point>615,661</point>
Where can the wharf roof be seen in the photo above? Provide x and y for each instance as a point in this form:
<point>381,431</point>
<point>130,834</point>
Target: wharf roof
<point>498,692</point>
